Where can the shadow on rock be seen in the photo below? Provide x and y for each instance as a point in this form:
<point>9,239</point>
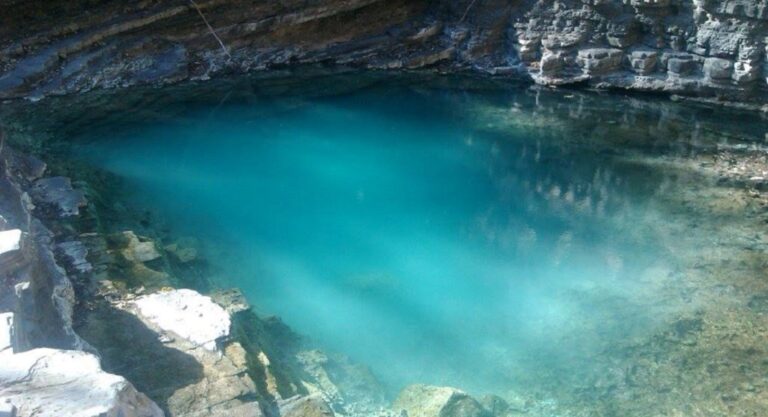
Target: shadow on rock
<point>130,349</point>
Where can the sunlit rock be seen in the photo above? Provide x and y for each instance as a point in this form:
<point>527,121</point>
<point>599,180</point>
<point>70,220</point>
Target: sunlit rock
<point>6,332</point>
<point>10,241</point>
<point>55,383</point>
<point>188,314</point>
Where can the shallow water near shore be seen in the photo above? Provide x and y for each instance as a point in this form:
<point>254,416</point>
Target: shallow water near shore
<point>446,236</point>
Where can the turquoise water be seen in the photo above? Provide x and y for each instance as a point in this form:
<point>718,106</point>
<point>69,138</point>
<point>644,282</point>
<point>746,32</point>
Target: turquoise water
<point>413,229</point>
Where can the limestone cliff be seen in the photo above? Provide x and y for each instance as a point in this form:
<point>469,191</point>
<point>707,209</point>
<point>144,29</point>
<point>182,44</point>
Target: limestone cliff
<point>711,48</point>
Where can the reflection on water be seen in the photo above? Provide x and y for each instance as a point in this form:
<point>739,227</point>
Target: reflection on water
<point>499,240</point>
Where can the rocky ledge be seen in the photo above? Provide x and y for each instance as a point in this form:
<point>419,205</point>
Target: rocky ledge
<point>704,48</point>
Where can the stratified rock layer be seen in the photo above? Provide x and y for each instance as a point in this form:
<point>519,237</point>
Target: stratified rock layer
<point>713,48</point>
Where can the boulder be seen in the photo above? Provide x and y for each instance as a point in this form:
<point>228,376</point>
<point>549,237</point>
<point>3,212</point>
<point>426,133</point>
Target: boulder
<point>431,401</point>
<point>53,383</point>
<point>137,250</point>
<point>187,314</point>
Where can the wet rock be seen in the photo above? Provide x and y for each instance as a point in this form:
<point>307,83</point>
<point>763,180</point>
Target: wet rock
<point>57,197</point>
<point>187,314</point>
<point>349,388</point>
<point>432,401</point>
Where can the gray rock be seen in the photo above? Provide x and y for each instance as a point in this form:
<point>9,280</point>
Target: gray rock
<point>644,61</point>
<point>718,69</point>
<point>57,192</point>
<point>75,255</point>
<point>596,61</point>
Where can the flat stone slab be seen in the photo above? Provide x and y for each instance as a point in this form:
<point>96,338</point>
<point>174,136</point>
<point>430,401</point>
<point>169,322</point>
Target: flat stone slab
<point>188,314</point>
<point>55,383</point>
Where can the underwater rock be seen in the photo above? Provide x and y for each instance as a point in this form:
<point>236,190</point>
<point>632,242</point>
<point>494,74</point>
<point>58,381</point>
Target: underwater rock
<point>188,314</point>
<point>499,407</point>
<point>231,300</point>
<point>309,406</point>
<point>57,194</point>
<point>348,387</point>
<point>431,401</point>
<point>137,250</point>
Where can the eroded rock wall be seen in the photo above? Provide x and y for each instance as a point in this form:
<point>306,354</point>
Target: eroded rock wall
<point>712,48</point>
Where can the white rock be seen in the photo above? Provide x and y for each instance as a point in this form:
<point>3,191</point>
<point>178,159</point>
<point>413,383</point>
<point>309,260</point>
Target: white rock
<point>7,409</point>
<point>188,314</point>
<point>10,240</point>
<point>6,330</point>
<point>54,383</point>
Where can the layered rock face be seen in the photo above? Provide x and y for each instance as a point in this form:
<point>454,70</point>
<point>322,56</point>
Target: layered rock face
<point>713,48</point>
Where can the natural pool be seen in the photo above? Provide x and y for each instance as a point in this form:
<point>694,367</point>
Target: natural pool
<point>533,244</point>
